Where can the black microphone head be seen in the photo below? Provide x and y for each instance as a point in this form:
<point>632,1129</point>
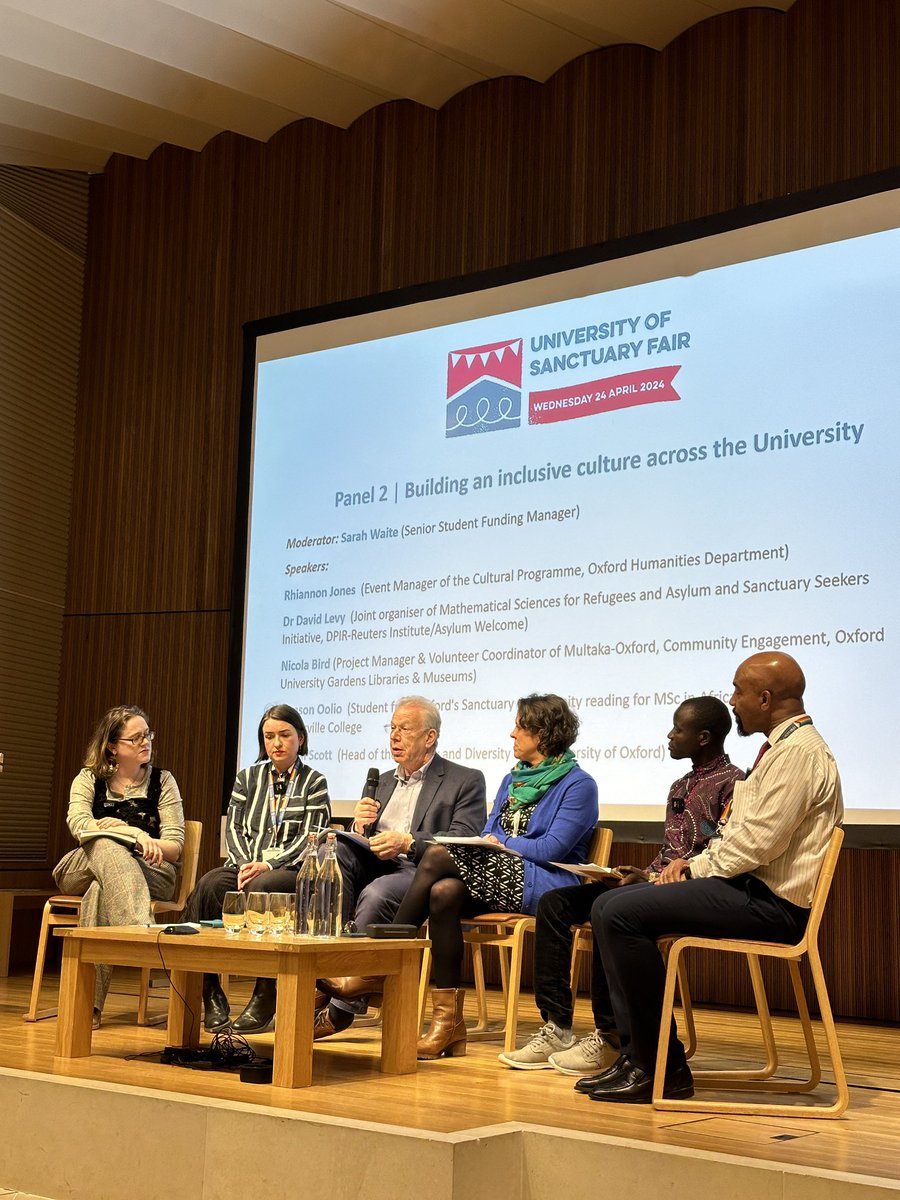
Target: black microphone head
<point>371,786</point>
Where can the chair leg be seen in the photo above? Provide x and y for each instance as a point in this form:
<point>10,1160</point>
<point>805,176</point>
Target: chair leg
<point>687,1010</point>
<point>143,997</point>
<point>480,992</point>
<point>574,965</point>
<point>504,962</point>
<point>578,949</point>
<point>424,977</point>
<point>483,1030</point>
<point>32,1014</point>
<point>831,1039</point>
<point>689,1036</point>
<point>673,958</point>
<point>512,991</point>
<point>765,1018</point>
<point>738,1078</point>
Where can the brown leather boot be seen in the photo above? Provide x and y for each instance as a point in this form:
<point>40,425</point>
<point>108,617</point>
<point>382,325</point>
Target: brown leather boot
<point>330,1020</point>
<point>447,1032</point>
<point>353,987</point>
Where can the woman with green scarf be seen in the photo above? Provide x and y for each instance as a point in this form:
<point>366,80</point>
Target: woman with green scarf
<point>545,812</point>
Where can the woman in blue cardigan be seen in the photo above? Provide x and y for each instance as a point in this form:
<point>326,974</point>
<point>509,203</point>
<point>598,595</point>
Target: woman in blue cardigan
<point>545,812</point>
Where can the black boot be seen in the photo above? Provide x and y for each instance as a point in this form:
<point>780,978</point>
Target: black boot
<point>216,1013</point>
<point>259,1015</point>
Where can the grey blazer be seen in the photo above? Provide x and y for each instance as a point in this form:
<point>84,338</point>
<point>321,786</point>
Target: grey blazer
<point>452,800</point>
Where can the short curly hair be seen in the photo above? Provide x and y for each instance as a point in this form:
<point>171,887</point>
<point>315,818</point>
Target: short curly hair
<point>551,719</point>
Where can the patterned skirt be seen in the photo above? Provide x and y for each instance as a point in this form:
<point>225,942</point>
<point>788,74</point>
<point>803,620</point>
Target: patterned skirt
<point>496,880</point>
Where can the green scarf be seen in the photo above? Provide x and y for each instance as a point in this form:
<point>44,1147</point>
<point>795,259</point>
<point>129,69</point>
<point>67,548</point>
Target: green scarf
<point>529,784</point>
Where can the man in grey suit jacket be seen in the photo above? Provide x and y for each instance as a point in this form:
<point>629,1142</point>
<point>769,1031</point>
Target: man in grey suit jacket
<point>424,795</point>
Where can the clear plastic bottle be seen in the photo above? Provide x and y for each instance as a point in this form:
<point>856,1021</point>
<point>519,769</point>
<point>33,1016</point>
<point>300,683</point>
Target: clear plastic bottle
<point>329,893</point>
<point>306,888</point>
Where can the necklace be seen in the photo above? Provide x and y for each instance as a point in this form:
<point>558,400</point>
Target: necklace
<point>123,784</point>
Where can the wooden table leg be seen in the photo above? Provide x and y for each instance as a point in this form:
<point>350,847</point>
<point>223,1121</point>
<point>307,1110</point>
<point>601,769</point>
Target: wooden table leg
<point>6,909</point>
<point>400,1016</point>
<point>185,1007</point>
<point>294,1014</point>
<point>76,1002</point>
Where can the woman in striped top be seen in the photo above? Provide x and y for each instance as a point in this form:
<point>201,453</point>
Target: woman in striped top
<point>274,805</point>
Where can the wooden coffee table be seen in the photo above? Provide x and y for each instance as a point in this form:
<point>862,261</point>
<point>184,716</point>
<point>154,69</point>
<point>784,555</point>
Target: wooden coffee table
<point>294,963</point>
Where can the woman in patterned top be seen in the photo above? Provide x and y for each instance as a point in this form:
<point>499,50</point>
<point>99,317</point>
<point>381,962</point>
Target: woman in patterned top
<point>274,805</point>
<point>128,820</point>
<point>545,812</point>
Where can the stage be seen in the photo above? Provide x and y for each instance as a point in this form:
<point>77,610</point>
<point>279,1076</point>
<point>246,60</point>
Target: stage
<point>110,1127</point>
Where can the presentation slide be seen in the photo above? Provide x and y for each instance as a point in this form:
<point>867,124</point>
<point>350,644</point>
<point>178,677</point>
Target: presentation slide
<point>616,496</point>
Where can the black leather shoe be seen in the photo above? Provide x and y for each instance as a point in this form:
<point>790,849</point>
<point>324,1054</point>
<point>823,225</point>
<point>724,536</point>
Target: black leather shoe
<point>587,1083</point>
<point>216,1013</point>
<point>635,1086</point>
<point>259,1015</point>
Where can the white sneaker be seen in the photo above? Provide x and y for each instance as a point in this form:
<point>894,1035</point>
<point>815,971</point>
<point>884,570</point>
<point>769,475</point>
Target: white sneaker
<point>535,1055</point>
<point>590,1056</point>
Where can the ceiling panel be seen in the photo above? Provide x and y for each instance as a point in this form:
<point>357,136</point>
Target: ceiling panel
<point>83,79</point>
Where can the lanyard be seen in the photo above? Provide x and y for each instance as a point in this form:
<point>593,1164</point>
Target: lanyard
<point>279,794</point>
<point>792,728</point>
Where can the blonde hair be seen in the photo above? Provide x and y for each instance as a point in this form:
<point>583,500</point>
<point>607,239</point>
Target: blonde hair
<point>98,757</point>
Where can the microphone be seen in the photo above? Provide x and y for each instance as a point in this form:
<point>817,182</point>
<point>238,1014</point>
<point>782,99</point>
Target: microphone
<point>371,784</point>
<point>368,793</point>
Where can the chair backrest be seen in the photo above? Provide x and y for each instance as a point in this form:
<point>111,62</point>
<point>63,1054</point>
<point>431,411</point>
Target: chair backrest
<point>600,846</point>
<point>823,885</point>
<point>187,876</point>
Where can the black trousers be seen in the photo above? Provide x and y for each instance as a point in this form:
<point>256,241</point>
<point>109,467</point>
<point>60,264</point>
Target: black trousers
<point>205,901</point>
<point>627,922</point>
<point>557,912</point>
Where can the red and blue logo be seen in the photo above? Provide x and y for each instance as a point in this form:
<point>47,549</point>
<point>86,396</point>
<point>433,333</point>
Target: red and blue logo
<point>484,388</point>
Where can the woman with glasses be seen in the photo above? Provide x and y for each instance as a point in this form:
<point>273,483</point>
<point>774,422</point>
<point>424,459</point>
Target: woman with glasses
<point>274,805</point>
<point>545,812</point>
<point>127,817</point>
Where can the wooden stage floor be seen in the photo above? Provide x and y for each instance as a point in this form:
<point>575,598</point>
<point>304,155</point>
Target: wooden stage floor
<point>455,1095</point>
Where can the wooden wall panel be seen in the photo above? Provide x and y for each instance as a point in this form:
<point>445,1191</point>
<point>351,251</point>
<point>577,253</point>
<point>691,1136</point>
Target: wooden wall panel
<point>43,223</point>
<point>185,248</point>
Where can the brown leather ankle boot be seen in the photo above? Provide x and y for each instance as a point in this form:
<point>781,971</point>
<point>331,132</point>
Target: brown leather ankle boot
<point>447,1032</point>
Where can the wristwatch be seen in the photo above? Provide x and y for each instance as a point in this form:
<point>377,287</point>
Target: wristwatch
<point>411,849</point>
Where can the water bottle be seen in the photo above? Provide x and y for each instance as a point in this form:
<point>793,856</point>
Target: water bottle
<point>329,893</point>
<point>306,889</point>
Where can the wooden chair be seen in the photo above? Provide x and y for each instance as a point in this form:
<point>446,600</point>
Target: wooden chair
<point>66,910</point>
<point>762,1079</point>
<point>507,932</point>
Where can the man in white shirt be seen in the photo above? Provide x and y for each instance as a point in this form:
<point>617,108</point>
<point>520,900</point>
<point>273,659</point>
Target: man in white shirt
<point>755,880</point>
<point>425,794</point>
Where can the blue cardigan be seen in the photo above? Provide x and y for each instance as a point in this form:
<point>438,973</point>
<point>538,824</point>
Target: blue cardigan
<point>560,830</point>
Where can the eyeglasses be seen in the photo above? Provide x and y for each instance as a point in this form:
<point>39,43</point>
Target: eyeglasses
<point>138,739</point>
<point>404,730</point>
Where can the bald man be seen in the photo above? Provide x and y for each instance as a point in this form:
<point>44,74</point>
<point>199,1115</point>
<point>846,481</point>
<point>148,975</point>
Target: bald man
<point>754,880</point>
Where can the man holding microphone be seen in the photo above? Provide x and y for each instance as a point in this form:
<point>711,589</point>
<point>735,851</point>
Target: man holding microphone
<point>424,795</point>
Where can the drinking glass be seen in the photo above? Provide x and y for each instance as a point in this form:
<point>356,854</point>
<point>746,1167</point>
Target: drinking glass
<point>281,913</point>
<point>257,913</point>
<point>233,906</point>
